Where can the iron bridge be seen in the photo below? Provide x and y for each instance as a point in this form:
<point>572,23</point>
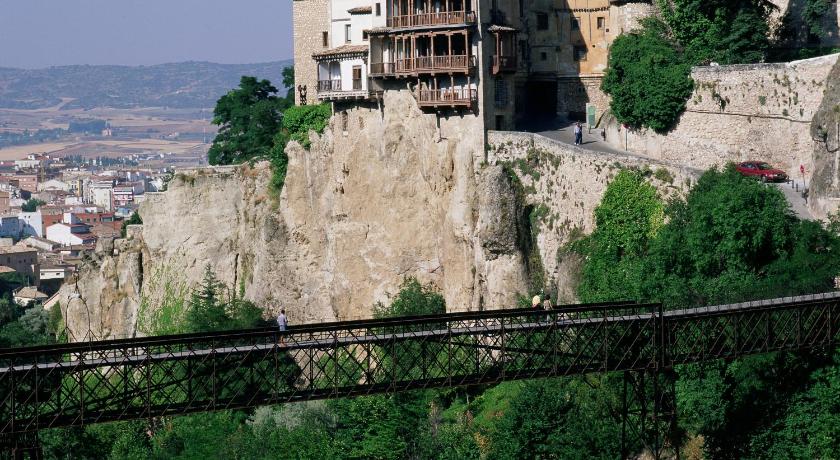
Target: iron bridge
<point>84,383</point>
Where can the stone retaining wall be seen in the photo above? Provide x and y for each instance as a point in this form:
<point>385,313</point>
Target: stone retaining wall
<point>741,112</point>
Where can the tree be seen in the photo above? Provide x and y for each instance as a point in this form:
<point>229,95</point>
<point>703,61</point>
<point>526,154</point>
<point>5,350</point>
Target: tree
<point>206,307</point>
<point>248,119</point>
<point>724,31</point>
<point>289,84</point>
<point>647,78</point>
<point>32,205</point>
<point>629,217</point>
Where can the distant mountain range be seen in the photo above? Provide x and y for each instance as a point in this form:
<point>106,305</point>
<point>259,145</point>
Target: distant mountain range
<point>178,85</point>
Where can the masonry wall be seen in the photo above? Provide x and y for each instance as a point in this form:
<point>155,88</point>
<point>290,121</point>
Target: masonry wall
<point>741,112</point>
<point>569,183</point>
<point>311,20</point>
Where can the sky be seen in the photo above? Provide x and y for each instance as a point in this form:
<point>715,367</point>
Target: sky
<point>44,33</point>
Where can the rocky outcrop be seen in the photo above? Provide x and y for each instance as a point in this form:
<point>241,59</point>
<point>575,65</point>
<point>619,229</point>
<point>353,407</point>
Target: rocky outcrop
<point>380,196</point>
<point>825,130</point>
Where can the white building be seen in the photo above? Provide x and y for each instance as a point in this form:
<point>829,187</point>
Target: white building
<point>31,223</point>
<point>70,234</point>
<point>54,272</point>
<point>342,69</point>
<point>102,196</point>
<point>54,184</point>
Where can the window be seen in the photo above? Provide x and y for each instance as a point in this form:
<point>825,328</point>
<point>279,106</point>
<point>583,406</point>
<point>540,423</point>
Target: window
<point>347,34</point>
<point>542,21</point>
<point>379,9</point>
<point>575,23</point>
<point>543,56</point>
<point>502,99</point>
<point>580,53</point>
<point>364,35</point>
<point>325,37</point>
<point>601,22</point>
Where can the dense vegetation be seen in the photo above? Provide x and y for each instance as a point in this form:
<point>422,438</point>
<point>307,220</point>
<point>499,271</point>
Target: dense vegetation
<point>648,76</point>
<point>178,85</point>
<point>32,205</point>
<point>257,124</point>
<point>19,326</point>
<point>731,239</point>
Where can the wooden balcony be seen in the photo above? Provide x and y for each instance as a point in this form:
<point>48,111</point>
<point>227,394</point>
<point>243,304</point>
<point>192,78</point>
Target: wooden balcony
<point>444,18</point>
<point>331,90</point>
<point>382,69</point>
<point>326,86</point>
<point>458,97</point>
<point>504,64</point>
<point>427,65</point>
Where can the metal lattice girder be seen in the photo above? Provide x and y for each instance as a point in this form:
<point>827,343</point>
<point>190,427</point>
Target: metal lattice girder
<point>83,383</point>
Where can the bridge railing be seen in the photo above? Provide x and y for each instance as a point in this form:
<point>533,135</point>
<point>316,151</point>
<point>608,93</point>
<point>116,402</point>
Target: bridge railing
<point>78,384</point>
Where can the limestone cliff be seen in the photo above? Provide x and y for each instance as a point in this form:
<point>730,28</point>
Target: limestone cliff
<point>381,195</point>
<point>825,130</point>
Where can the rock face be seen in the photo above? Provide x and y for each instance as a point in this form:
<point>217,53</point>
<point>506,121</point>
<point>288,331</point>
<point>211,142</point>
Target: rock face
<point>825,130</point>
<point>380,196</point>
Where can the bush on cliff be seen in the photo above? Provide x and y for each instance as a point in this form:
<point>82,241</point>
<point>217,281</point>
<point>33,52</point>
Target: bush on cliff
<point>297,123</point>
<point>647,78</point>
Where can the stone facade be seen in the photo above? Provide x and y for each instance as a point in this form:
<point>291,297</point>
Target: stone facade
<point>311,22</point>
<point>741,112</point>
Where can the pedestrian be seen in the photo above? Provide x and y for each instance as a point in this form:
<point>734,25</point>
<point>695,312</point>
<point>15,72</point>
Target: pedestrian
<point>282,323</point>
<point>547,306</point>
<point>578,134</point>
<point>535,302</point>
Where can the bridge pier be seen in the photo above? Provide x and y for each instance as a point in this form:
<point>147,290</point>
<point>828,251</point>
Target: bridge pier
<point>649,414</point>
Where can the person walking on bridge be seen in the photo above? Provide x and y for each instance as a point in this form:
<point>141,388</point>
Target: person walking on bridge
<point>282,323</point>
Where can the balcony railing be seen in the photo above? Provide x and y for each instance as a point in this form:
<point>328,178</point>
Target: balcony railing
<point>443,18</point>
<point>326,86</point>
<point>432,64</point>
<point>463,97</point>
<point>382,68</point>
<point>504,64</point>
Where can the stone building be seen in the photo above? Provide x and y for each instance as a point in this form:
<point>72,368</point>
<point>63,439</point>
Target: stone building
<point>509,62</point>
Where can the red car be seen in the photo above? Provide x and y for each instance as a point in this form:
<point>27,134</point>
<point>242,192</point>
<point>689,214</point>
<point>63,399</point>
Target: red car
<point>761,170</point>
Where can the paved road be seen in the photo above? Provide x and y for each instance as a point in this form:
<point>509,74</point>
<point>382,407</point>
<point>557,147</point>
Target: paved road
<point>565,133</point>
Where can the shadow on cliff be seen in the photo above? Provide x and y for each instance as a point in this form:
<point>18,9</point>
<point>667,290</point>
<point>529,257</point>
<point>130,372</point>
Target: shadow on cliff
<point>825,130</point>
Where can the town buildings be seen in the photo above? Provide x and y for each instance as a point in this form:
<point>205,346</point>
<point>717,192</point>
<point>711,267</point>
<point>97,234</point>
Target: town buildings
<point>509,62</point>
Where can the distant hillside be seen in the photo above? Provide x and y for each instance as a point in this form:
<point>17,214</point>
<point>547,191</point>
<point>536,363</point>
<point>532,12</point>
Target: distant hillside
<point>179,85</point>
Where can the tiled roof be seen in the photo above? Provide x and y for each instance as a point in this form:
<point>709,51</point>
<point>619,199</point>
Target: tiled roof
<point>15,250</point>
<point>30,292</point>
<point>344,50</point>
<point>5,269</point>
<point>361,10</point>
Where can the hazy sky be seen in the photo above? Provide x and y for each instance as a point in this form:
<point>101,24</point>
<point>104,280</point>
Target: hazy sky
<point>43,33</point>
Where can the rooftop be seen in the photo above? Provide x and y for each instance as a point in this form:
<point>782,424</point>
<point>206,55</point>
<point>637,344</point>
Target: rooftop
<point>344,50</point>
<point>15,250</point>
<point>30,292</point>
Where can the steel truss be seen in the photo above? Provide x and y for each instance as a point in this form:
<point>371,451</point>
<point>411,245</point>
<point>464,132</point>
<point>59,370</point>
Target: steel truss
<point>84,383</point>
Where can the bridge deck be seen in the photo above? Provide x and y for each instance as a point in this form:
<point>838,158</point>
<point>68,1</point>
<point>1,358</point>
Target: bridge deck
<point>76,384</point>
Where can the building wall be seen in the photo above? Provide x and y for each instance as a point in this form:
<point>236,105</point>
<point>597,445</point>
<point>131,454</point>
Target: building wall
<point>311,20</point>
<point>23,261</point>
<point>31,223</point>
<point>742,112</point>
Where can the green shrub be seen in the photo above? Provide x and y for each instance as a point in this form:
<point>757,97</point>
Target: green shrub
<point>648,79</point>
